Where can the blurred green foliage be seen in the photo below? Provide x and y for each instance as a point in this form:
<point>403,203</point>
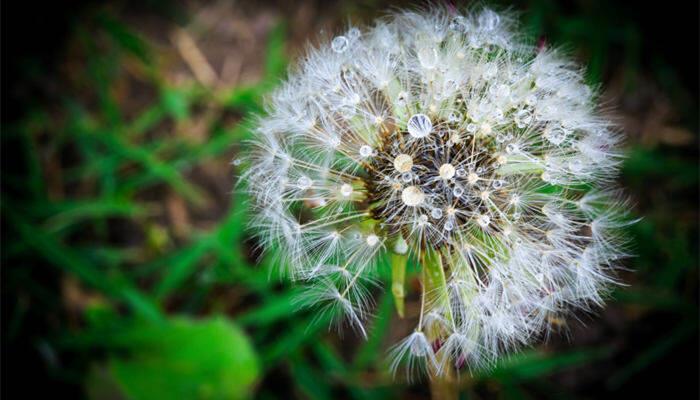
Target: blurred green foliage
<point>98,217</point>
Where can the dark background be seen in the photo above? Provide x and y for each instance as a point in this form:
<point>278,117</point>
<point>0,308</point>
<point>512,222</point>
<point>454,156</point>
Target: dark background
<point>89,208</point>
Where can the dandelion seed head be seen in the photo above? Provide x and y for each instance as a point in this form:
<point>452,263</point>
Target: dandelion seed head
<point>435,131</point>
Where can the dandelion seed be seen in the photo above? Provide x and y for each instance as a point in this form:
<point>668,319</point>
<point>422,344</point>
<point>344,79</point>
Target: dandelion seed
<point>412,196</point>
<point>403,163</point>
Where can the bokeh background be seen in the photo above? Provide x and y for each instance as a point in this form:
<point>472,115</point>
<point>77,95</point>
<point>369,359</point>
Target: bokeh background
<point>127,271</point>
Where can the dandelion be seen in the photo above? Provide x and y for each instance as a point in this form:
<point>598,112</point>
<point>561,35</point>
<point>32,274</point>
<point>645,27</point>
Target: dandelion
<point>444,139</point>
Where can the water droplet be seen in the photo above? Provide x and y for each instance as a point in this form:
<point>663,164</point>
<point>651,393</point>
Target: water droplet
<point>575,166</point>
<point>346,190</point>
<point>401,247</point>
<point>423,219</point>
<point>419,126</point>
<point>407,177</point>
<point>523,118</point>
<point>347,111</point>
<point>237,162</point>
<point>511,148</point>
<point>449,225</point>
<point>340,44</point>
<point>372,240</point>
<point>401,99</point>
<point>459,24</point>
<point>491,71</point>
<point>497,184</point>
<point>428,57</point>
<point>489,20</point>
<point>354,33</point>
<point>365,151</point>
<point>436,213</point>
<point>555,134</point>
<point>461,172</point>
<point>483,220</point>
<point>503,91</point>
<point>458,191</point>
<point>447,171</point>
<point>304,182</point>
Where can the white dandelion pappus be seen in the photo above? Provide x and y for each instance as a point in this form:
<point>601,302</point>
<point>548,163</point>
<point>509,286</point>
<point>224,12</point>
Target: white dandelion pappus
<point>445,139</point>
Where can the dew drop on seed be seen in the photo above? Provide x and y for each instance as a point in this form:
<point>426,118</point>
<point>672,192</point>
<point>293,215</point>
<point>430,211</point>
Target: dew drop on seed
<point>401,247</point>
<point>339,44</point>
<point>304,182</point>
<point>455,116</point>
<point>447,171</point>
<point>237,162</point>
<point>372,240</point>
<point>354,33</point>
<point>449,225</point>
<point>347,111</point>
<point>575,166</point>
<point>461,173</point>
<point>458,191</point>
<point>511,148</point>
<point>346,190</point>
<point>419,126</point>
<point>365,151</point>
<point>497,184</point>
<point>459,24</point>
<point>428,57</point>
<point>406,177</point>
<point>423,219</point>
<point>489,20</point>
<point>401,99</point>
<point>483,220</point>
<point>522,118</point>
<point>436,213</point>
<point>555,135</point>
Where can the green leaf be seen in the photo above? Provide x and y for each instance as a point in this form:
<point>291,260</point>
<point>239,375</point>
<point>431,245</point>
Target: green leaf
<point>175,102</point>
<point>71,262</point>
<point>183,359</point>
